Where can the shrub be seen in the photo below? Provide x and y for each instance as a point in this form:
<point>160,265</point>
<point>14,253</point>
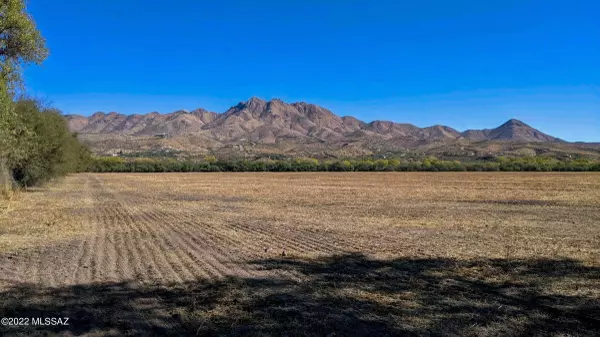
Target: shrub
<point>49,150</point>
<point>117,164</point>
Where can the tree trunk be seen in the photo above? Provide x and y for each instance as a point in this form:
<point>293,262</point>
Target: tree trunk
<point>5,178</point>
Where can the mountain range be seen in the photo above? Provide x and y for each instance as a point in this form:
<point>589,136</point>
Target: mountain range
<point>275,124</point>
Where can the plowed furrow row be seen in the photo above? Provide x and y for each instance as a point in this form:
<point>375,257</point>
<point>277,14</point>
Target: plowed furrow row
<point>59,262</point>
<point>98,271</point>
<point>153,252</point>
<point>300,245</point>
<point>222,255</point>
<point>144,260</point>
<point>335,241</point>
<point>329,244</point>
<point>92,249</point>
<point>201,258</point>
<point>199,251</point>
<point>224,248</point>
<point>50,265</point>
<point>239,250</point>
<point>82,271</point>
<point>216,233</point>
<point>113,257</point>
<point>32,272</point>
<point>123,270</point>
<point>349,243</point>
<point>134,247</point>
<point>250,246</point>
<point>79,255</point>
<point>242,251</point>
<point>45,266</point>
<point>180,251</point>
<point>110,263</point>
<point>267,239</point>
<point>114,264</point>
<point>95,263</point>
<point>168,259</point>
<point>174,261</point>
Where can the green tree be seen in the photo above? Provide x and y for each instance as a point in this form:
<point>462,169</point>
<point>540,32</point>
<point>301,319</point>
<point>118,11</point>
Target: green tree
<point>51,150</point>
<point>20,41</point>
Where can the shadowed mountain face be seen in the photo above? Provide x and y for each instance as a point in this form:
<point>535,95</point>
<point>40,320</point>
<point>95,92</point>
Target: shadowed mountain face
<point>268,122</point>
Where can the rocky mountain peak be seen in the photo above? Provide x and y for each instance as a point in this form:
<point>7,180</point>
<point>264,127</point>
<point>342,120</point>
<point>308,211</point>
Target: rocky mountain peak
<point>272,121</point>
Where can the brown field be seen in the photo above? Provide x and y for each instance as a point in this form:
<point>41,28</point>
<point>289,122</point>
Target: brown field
<point>365,254</point>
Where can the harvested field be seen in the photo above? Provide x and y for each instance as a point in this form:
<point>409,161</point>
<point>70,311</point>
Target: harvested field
<point>306,253</point>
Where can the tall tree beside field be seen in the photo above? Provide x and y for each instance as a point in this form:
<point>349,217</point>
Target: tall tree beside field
<point>35,143</point>
<point>20,43</point>
<point>52,150</point>
<point>6,141</point>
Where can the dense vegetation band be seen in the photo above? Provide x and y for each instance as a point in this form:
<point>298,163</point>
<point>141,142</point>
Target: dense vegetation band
<point>211,164</point>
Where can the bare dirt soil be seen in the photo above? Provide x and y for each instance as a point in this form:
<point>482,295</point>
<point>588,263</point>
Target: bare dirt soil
<point>305,254</point>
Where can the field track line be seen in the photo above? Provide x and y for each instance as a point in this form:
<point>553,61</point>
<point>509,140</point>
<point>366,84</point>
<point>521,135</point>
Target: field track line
<point>175,262</point>
<point>217,246</point>
<point>197,252</point>
<point>140,258</point>
<point>237,251</point>
<point>171,258</point>
<point>300,243</point>
<point>121,266</point>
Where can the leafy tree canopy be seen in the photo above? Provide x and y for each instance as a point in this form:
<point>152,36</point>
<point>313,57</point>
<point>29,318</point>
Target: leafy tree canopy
<point>20,41</point>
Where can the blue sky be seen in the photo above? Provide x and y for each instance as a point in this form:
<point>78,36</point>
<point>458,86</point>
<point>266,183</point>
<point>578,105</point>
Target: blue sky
<point>465,64</point>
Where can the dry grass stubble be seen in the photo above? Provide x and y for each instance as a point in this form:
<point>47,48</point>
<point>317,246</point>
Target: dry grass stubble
<point>365,253</point>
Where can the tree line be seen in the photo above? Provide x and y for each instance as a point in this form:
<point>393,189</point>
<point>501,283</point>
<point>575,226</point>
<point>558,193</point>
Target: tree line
<point>539,164</point>
<point>36,145</point>
<point>35,142</point>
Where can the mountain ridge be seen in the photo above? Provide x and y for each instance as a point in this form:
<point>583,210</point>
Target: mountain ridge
<point>273,121</point>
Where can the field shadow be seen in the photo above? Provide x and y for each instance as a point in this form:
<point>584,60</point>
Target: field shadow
<point>347,295</point>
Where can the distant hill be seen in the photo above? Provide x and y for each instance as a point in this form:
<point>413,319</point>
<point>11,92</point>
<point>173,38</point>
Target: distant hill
<point>513,130</point>
<point>279,127</point>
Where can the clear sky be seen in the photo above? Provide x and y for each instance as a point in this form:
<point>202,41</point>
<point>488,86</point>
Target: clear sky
<point>465,64</point>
